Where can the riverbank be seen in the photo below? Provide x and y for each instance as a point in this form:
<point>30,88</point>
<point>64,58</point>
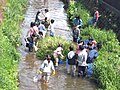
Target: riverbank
<point>107,64</point>
<point>9,38</point>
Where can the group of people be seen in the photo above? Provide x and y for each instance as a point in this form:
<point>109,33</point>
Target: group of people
<point>39,28</point>
<point>48,66</point>
<point>78,24</point>
<point>77,60</point>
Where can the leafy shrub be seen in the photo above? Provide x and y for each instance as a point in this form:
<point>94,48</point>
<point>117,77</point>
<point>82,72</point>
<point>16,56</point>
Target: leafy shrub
<point>108,61</point>
<point>8,61</point>
<point>77,9</point>
<point>9,37</point>
<point>13,15</point>
<point>49,44</point>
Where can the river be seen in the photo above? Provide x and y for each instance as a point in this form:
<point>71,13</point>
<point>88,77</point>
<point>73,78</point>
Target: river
<point>29,64</point>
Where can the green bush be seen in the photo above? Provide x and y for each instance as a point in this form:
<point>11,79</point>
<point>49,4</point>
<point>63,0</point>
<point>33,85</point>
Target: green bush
<point>77,9</point>
<point>49,44</point>
<point>9,37</point>
<point>13,15</point>
<point>8,65</point>
<point>107,64</point>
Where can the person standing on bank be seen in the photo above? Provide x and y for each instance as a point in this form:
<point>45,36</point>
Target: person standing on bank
<point>77,22</point>
<point>96,16</point>
<point>76,33</point>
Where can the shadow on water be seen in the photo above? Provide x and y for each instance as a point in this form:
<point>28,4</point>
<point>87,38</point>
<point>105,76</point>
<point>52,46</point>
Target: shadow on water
<point>29,64</point>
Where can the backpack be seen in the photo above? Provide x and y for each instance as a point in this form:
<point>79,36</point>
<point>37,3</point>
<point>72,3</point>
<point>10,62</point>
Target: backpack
<point>72,61</point>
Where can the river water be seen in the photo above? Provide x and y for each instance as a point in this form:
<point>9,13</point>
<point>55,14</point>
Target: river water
<point>29,64</point>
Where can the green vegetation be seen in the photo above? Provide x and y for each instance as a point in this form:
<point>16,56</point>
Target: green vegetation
<point>49,44</point>
<point>109,16</point>
<point>107,73</point>
<point>9,37</point>
<point>13,14</point>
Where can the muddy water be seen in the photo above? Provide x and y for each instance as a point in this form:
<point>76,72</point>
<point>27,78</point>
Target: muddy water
<point>29,63</point>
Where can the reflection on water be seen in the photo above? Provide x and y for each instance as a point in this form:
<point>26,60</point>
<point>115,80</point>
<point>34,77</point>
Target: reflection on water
<point>29,64</point>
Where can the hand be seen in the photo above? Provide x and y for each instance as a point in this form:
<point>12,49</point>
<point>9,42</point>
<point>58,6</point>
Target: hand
<point>53,73</point>
<point>62,57</point>
<point>39,72</point>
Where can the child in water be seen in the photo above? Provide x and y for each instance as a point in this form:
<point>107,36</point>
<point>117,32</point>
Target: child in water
<point>47,68</point>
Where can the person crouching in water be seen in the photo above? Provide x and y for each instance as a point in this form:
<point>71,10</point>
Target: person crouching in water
<point>57,53</point>
<point>71,61</point>
<point>47,69</point>
<point>31,42</point>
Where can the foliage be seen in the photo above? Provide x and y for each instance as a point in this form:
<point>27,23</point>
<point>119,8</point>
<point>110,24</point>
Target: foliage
<point>49,44</point>
<point>13,14</point>
<point>9,37</point>
<point>107,71</point>
<point>109,14</point>
<point>76,9</point>
<point>8,60</point>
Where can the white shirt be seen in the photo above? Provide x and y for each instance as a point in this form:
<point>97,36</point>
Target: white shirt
<point>51,28</point>
<point>48,16</point>
<point>71,54</point>
<point>82,58</point>
<point>47,67</point>
<point>58,50</point>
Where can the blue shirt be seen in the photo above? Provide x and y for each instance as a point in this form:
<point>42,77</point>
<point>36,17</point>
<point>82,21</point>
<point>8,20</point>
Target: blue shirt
<point>92,53</point>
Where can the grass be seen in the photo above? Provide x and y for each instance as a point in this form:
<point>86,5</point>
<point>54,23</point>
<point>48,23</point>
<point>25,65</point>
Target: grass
<point>9,38</point>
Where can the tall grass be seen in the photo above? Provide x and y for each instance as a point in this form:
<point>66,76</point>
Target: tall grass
<point>9,37</point>
<point>107,71</point>
<point>13,14</point>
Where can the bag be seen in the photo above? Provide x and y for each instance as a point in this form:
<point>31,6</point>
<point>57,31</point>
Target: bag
<point>73,60</point>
